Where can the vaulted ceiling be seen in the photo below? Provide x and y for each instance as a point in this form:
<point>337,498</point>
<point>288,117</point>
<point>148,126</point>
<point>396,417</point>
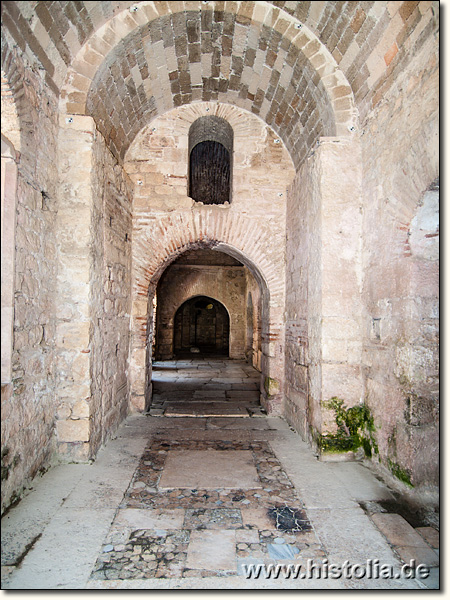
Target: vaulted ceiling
<point>306,68</point>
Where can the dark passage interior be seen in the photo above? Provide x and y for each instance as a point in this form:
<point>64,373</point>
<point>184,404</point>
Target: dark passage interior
<point>202,326</point>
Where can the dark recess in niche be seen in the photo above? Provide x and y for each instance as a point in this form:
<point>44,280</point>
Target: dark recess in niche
<point>209,177</point>
<point>210,160</point>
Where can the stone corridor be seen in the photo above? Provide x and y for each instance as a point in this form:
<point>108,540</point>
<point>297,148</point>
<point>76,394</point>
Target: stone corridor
<point>189,495</point>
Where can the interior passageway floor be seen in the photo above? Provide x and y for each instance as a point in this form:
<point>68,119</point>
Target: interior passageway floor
<point>207,386</point>
<point>189,502</point>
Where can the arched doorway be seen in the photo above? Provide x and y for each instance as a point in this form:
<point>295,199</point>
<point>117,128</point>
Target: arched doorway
<point>201,326</point>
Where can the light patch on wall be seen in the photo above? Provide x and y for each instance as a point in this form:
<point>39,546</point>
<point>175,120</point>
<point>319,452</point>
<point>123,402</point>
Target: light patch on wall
<point>424,229</point>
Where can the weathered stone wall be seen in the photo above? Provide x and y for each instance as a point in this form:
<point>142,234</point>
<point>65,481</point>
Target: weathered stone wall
<point>298,254</point>
<point>110,294</point>
<point>181,282</point>
<point>400,153</point>
<point>28,406</point>
<point>252,228</point>
<point>94,219</point>
<point>253,349</point>
<point>323,305</point>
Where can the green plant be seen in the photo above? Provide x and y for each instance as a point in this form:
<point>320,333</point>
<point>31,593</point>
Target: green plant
<point>355,427</point>
<point>399,472</point>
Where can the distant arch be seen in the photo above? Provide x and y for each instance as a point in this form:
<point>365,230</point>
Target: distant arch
<point>201,326</point>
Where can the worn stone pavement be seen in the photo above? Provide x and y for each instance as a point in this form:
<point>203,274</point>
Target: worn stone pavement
<point>188,496</point>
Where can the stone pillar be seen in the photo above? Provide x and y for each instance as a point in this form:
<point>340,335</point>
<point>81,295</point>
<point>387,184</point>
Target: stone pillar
<point>140,372</point>
<point>334,279</point>
<point>73,330</point>
<point>8,191</point>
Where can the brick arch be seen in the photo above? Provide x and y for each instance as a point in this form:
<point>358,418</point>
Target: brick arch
<point>236,235</point>
<point>12,100</point>
<point>198,294</point>
<point>293,83</point>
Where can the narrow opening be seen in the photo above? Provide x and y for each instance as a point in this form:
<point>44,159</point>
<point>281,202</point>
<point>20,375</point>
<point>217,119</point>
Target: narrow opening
<point>201,326</point>
<point>209,174</point>
<point>210,160</point>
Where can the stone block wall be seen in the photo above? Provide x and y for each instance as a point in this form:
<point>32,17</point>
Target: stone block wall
<point>298,257</point>
<point>28,405</point>
<point>323,286</point>
<point>253,346</point>
<point>94,219</point>
<point>400,146</point>
<point>75,271</point>
<point>110,295</point>
<point>182,282</point>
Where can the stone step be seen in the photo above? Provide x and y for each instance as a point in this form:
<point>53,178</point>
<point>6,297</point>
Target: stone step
<point>408,543</point>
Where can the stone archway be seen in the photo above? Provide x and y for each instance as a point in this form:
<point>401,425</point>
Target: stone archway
<point>202,327</point>
<point>272,365</point>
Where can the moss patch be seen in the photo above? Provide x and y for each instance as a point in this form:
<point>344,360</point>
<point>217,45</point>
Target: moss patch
<point>272,386</point>
<point>399,472</point>
<point>355,429</point>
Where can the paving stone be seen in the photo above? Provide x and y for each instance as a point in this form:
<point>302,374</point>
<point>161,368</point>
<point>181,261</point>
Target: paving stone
<point>199,409</point>
<point>429,534</point>
<point>225,423</point>
<point>209,469</point>
<point>248,537</point>
<point>289,519</point>
<point>150,518</point>
<point>243,563</point>
<point>421,555</point>
<point>432,582</point>
<point>397,530</point>
<point>281,551</point>
<point>212,550</point>
<point>257,518</point>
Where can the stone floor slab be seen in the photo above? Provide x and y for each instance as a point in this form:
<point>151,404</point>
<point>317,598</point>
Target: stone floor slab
<point>257,518</point>
<point>65,554</point>
<point>224,423</point>
<point>397,530</point>
<point>430,534</point>
<point>148,518</point>
<point>210,469</point>
<point>432,582</point>
<point>194,409</point>
<point>420,555</point>
<point>349,534</point>
<point>212,551</point>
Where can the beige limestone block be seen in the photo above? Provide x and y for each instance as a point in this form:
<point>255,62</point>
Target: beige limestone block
<point>73,431</point>
<point>212,550</point>
<point>80,410</point>
<point>73,335</point>
<point>210,469</point>
<point>63,412</point>
<point>344,381</point>
<point>80,367</point>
